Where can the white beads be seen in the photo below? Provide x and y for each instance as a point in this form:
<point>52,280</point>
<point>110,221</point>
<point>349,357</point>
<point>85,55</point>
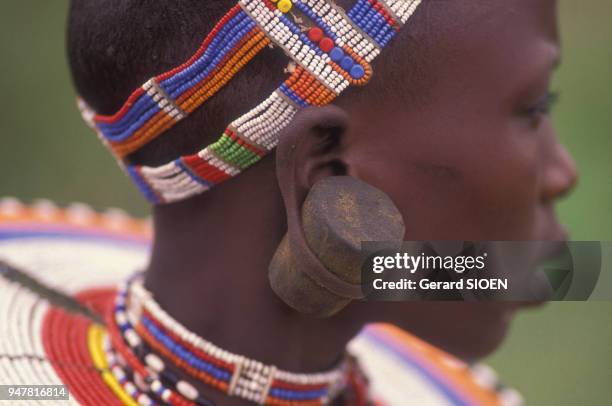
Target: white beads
<point>132,338</point>
<point>156,386</point>
<point>403,9</point>
<point>262,125</point>
<point>299,51</point>
<point>510,397</point>
<point>484,376</point>
<point>144,400</point>
<point>87,114</point>
<point>80,214</point>
<point>251,379</point>
<point>154,362</point>
<point>163,100</point>
<point>45,209</point>
<point>121,318</point>
<point>166,395</point>
<point>187,390</point>
<point>22,356</point>
<point>341,25</point>
<point>10,207</point>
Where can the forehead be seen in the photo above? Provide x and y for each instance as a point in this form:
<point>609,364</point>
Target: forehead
<point>493,37</point>
<point>508,32</point>
<point>462,19</point>
<point>451,46</point>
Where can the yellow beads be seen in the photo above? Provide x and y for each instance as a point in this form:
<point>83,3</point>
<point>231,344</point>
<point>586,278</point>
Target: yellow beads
<point>284,5</point>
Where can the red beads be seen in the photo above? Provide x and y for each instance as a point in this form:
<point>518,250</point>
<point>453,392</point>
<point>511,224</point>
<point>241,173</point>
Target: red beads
<point>315,34</point>
<point>326,44</point>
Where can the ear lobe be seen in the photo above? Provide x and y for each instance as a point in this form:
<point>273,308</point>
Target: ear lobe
<point>311,149</point>
<point>317,266</point>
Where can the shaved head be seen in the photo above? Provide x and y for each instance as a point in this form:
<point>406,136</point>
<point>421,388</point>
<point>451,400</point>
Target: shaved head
<point>114,46</point>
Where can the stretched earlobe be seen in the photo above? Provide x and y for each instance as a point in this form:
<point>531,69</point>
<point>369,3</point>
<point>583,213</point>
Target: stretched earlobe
<point>317,267</point>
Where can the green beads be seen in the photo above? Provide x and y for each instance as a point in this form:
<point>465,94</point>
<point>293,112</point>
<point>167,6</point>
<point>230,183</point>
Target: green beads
<point>234,153</point>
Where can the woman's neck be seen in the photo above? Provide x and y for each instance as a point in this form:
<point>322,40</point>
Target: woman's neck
<point>209,271</point>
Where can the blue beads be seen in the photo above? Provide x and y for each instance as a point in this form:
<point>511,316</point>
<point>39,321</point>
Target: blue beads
<point>294,97</point>
<point>357,72</point>
<point>232,31</point>
<point>142,184</point>
<point>297,394</point>
<point>184,353</point>
<point>366,17</point>
<point>145,107</point>
<point>336,54</point>
<point>347,63</point>
<point>205,64</point>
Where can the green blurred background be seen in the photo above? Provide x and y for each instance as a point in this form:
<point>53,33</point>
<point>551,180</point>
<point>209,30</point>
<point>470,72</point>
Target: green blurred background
<point>559,355</point>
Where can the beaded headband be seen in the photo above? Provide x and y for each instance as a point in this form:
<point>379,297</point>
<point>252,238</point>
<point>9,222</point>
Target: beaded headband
<point>330,50</point>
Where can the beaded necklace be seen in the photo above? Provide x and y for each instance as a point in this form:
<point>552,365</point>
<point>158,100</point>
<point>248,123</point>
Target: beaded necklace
<point>329,52</point>
<point>148,342</point>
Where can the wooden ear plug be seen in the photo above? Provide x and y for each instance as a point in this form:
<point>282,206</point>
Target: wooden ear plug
<point>317,267</point>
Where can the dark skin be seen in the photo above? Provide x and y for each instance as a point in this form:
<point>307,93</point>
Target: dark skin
<point>466,152</point>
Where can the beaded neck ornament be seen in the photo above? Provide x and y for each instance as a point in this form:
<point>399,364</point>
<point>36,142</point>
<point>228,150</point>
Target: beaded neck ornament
<point>140,333</point>
<point>330,50</point>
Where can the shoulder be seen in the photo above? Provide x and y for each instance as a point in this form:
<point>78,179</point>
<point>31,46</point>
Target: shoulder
<point>75,247</point>
<point>401,366</point>
<point>74,251</point>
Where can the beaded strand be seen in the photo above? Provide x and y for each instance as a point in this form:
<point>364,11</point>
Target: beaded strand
<point>330,54</point>
<point>149,331</point>
<point>126,341</point>
<point>168,98</point>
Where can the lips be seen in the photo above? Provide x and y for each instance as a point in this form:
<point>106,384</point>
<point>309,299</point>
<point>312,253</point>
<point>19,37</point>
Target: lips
<point>551,229</point>
<point>551,249</point>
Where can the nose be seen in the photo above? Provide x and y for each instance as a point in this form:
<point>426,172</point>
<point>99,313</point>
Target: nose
<point>560,174</point>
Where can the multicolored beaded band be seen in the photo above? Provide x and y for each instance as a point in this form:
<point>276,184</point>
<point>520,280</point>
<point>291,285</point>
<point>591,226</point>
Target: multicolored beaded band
<point>155,382</point>
<point>140,330</point>
<point>330,50</point>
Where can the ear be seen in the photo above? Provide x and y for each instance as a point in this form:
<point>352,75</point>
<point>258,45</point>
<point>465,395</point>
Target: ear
<point>310,149</point>
<point>309,165</point>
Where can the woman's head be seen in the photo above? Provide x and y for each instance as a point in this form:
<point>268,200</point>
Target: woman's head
<point>454,127</point>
